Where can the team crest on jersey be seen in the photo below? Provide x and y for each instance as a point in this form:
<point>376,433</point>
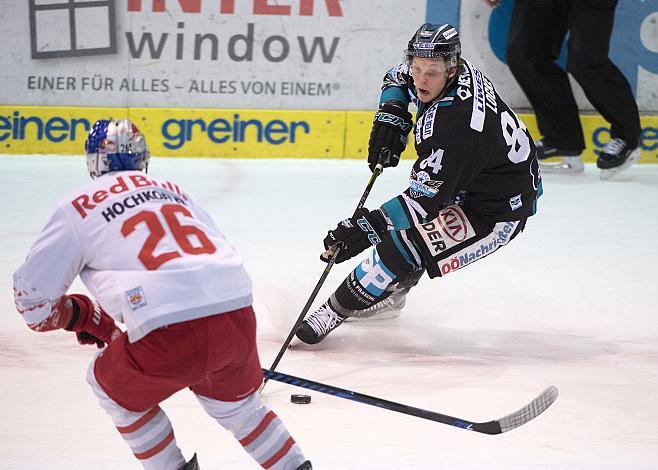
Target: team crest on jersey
<point>421,184</point>
<point>136,298</point>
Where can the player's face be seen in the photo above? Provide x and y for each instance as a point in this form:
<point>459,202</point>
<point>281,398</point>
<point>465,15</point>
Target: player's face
<point>430,77</point>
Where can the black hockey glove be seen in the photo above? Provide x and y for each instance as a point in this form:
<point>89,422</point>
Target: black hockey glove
<point>388,136</point>
<point>354,235</point>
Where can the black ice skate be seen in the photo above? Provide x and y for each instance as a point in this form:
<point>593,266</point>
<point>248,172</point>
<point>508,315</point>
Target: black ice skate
<point>319,324</point>
<point>386,309</point>
<point>562,160</point>
<point>391,306</point>
<point>305,466</point>
<point>615,157</point>
<point>193,464</point>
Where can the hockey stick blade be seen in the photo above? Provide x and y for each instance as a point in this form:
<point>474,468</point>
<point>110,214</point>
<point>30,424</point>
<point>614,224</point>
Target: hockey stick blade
<point>529,412</point>
<point>498,426</point>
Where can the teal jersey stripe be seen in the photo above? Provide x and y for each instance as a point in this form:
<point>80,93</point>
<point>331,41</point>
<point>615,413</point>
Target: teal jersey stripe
<point>395,212</point>
<point>540,191</point>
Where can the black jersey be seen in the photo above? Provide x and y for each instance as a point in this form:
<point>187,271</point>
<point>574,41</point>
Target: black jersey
<point>471,148</point>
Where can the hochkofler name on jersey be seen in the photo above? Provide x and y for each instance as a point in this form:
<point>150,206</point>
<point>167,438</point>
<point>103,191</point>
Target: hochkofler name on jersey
<point>85,203</point>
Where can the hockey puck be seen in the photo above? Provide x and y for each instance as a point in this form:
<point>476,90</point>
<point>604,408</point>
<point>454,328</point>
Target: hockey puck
<point>300,399</point>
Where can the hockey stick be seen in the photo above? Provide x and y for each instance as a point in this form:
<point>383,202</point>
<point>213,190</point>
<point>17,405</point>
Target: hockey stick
<point>378,171</point>
<point>497,426</point>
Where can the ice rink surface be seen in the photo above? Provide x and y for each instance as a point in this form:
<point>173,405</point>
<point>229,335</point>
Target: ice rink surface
<point>572,302</point>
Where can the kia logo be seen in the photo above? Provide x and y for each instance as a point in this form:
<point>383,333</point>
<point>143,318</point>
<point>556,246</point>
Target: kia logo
<point>454,224</point>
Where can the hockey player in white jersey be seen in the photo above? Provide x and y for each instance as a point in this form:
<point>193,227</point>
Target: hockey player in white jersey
<point>471,190</point>
<point>156,262</point>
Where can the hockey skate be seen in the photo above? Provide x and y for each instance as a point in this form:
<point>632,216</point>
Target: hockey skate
<point>193,464</point>
<point>305,466</point>
<point>615,157</point>
<point>387,309</point>
<point>561,160</point>
<point>390,307</point>
<point>319,324</point>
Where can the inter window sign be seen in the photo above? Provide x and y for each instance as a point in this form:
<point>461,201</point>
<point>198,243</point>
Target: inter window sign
<point>72,28</point>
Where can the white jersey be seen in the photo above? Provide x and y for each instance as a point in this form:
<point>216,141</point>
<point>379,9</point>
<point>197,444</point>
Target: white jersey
<point>144,249</point>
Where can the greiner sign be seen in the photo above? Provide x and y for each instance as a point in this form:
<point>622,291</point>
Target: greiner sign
<point>241,133</point>
<point>177,132</point>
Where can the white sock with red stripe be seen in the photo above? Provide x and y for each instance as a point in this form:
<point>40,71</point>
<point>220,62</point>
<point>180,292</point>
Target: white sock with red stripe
<point>149,434</point>
<point>260,431</point>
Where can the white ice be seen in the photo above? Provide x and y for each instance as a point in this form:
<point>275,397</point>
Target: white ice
<point>572,302</point>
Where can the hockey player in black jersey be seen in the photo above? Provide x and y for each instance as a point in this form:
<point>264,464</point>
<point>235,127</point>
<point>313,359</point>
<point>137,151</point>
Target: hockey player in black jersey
<point>473,186</point>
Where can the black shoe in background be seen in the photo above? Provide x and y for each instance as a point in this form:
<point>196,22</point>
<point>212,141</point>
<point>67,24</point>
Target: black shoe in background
<point>546,151</point>
<point>567,161</point>
<point>616,156</point>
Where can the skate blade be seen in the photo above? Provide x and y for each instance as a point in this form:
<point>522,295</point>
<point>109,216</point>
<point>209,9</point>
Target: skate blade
<point>610,173</point>
<point>387,315</point>
<point>565,165</point>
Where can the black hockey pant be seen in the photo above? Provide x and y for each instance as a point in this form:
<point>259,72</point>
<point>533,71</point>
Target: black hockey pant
<point>452,240</point>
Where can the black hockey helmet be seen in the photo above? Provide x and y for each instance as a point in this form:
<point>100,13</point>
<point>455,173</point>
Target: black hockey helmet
<point>433,40</point>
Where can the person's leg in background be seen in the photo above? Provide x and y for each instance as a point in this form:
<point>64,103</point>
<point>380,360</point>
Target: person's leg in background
<point>537,31</point>
<point>590,29</point>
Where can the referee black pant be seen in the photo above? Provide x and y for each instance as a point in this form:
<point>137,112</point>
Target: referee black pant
<point>536,35</point>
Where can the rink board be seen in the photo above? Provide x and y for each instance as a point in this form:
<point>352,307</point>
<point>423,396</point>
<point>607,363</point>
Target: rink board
<point>240,133</point>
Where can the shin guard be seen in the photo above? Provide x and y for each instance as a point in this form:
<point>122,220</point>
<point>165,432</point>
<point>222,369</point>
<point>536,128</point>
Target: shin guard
<point>260,431</point>
<point>149,434</point>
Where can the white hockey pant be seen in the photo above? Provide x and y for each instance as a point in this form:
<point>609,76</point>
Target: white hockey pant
<point>150,436</point>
